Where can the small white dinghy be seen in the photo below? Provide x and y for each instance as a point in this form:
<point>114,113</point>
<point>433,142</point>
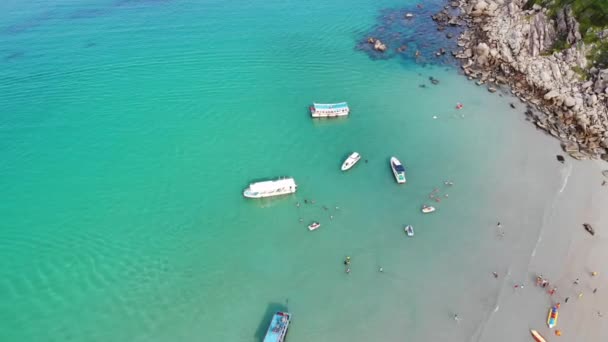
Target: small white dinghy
<point>351,161</point>
<point>314,226</point>
<point>427,209</point>
<point>409,229</point>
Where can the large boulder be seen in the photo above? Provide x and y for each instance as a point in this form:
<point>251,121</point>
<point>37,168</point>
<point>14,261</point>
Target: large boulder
<point>481,5</point>
<point>551,94</point>
<point>569,102</point>
<point>542,35</point>
<point>567,26</point>
<point>379,46</point>
<point>482,51</point>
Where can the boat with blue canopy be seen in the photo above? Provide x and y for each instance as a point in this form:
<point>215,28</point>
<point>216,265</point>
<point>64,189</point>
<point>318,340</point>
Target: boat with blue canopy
<point>329,110</point>
<point>278,327</point>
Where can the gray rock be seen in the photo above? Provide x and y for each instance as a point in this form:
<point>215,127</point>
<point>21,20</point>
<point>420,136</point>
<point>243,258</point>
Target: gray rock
<point>491,89</point>
<point>537,7</point>
<point>570,146</point>
<point>379,46</point>
<point>587,84</point>
<point>569,101</point>
<point>480,6</point>
<point>551,94</point>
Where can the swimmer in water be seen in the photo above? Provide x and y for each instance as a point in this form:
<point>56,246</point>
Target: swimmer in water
<point>298,204</point>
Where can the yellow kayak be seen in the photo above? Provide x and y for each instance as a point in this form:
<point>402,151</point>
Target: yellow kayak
<point>552,318</point>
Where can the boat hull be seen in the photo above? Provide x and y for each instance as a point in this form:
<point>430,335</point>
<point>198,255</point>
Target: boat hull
<point>277,330</point>
<point>314,226</point>
<point>272,188</point>
<point>537,336</point>
<point>428,210</point>
<point>248,194</point>
<point>329,110</point>
<point>350,161</point>
<point>399,175</point>
<point>409,230</point>
<point>552,317</point>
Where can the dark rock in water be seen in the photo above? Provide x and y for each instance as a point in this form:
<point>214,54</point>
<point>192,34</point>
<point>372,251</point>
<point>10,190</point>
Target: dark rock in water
<point>560,158</point>
<point>433,80</point>
<point>512,105</point>
<point>449,35</point>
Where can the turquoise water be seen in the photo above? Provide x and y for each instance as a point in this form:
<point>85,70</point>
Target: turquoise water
<point>130,128</point>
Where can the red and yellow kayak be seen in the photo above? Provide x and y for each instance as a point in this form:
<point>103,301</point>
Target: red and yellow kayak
<point>537,336</point>
<point>552,318</point>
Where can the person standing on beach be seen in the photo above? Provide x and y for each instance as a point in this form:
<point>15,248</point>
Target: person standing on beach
<point>594,290</point>
<point>576,282</point>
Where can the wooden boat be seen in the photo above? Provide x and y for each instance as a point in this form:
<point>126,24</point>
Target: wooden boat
<point>351,161</point>
<point>278,327</point>
<point>314,226</point>
<point>427,209</point>
<point>552,317</point>
<point>537,336</point>
<point>589,228</point>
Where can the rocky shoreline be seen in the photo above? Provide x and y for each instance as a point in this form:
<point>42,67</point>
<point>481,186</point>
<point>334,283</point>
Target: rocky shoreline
<point>505,45</point>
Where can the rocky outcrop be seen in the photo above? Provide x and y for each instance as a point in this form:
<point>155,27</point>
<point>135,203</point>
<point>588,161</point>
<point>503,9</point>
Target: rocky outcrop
<point>567,26</point>
<point>377,43</point>
<point>506,44</point>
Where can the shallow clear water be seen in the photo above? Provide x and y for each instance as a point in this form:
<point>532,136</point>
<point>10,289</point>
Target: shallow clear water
<point>130,128</point>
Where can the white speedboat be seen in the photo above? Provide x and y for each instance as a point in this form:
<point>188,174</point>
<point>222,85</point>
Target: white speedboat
<point>271,188</point>
<point>398,170</point>
<point>427,209</point>
<point>409,229</point>
<point>314,226</point>
<point>351,161</point>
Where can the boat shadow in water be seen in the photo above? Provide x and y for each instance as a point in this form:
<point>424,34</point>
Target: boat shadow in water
<point>271,309</point>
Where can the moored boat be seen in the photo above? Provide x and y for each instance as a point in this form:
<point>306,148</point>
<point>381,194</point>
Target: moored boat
<point>398,170</point>
<point>278,327</point>
<point>314,226</point>
<point>329,110</point>
<point>351,161</point>
<point>427,209</point>
<point>271,188</point>
<point>552,317</point>
<point>537,336</point>
<point>409,230</point>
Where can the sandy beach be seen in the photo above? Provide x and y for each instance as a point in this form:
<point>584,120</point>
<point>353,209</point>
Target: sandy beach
<point>542,205</point>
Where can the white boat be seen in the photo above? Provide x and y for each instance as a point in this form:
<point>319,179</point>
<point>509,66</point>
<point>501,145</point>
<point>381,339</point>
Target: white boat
<point>329,110</point>
<point>398,170</point>
<point>428,209</point>
<point>409,229</point>
<point>351,161</point>
<point>283,186</point>
<point>314,226</point>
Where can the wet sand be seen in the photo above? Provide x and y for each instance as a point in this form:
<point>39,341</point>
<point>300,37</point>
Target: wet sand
<point>542,205</point>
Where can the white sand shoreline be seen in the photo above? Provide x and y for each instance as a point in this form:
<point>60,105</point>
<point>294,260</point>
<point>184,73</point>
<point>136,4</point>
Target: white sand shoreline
<point>542,208</point>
